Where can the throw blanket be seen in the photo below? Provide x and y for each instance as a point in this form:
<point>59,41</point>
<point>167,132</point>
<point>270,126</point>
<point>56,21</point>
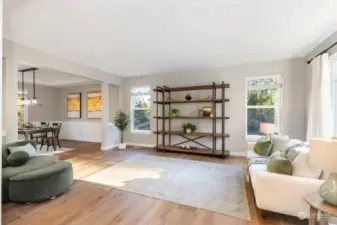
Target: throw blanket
<point>258,160</point>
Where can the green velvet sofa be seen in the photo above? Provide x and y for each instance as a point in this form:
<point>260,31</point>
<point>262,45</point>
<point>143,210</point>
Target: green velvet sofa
<point>42,177</point>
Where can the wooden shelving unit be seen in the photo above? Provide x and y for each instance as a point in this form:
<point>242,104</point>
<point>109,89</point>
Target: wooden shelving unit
<point>189,117</point>
<point>165,92</point>
<point>192,101</point>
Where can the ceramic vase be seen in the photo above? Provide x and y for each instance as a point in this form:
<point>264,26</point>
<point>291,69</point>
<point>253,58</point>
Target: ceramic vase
<point>328,190</point>
<point>122,146</point>
<point>188,97</point>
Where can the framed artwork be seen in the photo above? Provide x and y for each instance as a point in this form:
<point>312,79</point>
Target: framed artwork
<point>206,111</point>
<point>74,105</point>
<point>94,105</point>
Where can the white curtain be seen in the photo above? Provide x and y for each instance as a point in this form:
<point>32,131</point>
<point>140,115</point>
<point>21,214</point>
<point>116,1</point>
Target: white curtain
<point>320,118</point>
<point>333,69</point>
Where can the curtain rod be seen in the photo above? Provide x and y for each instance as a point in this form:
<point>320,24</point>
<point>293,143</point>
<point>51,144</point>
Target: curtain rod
<point>324,51</point>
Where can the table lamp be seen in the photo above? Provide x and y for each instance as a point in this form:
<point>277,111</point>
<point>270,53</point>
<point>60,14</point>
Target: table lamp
<point>323,154</point>
<point>267,129</point>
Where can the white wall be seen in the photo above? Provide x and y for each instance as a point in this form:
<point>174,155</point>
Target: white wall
<point>49,96</point>
<point>11,86</point>
<point>292,112</point>
<point>37,58</point>
<point>110,105</point>
<point>81,130</point>
<point>1,93</point>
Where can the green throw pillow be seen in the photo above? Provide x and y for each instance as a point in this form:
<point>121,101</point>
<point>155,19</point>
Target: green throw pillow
<point>17,158</point>
<point>278,164</point>
<point>263,147</point>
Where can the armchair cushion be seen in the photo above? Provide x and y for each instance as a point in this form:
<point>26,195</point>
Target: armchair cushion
<point>302,168</point>
<point>17,158</point>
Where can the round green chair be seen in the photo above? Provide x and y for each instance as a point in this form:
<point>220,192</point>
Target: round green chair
<point>41,184</point>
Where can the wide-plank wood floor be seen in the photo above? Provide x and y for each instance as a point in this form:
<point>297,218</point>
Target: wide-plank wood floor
<point>94,204</point>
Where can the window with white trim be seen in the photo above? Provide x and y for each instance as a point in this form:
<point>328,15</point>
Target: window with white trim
<point>263,103</point>
<point>140,109</point>
<point>22,110</point>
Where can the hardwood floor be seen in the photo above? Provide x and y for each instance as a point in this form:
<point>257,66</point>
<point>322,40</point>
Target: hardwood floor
<point>92,204</point>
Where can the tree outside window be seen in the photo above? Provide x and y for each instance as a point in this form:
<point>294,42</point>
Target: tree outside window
<point>141,107</point>
<point>21,114</point>
<point>262,103</point>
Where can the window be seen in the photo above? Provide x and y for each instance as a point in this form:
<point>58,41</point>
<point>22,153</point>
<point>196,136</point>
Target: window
<point>140,109</point>
<point>22,111</point>
<point>263,103</point>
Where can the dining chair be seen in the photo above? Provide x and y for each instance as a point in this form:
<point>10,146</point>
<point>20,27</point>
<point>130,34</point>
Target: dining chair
<point>40,138</point>
<point>44,124</point>
<point>53,136</point>
<point>57,132</point>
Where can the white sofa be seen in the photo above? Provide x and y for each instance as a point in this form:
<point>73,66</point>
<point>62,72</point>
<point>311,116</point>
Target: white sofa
<point>280,193</point>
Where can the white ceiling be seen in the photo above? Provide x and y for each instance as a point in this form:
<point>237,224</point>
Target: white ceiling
<point>53,78</point>
<point>140,37</point>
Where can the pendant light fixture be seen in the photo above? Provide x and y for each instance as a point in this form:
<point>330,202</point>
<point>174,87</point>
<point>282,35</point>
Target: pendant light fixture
<point>35,101</point>
<point>23,100</point>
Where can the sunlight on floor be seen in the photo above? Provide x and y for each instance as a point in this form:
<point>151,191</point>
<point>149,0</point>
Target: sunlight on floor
<point>126,172</point>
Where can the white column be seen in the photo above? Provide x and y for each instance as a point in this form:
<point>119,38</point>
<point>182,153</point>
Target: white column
<point>105,115</point>
<point>11,92</point>
<point>1,3</point>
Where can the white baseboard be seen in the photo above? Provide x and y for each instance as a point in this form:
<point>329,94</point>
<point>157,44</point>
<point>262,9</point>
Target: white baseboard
<point>105,148</point>
<point>140,145</point>
<point>238,154</point>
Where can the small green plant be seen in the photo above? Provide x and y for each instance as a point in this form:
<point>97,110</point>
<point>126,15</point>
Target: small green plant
<point>174,113</point>
<point>190,126</point>
<point>122,121</point>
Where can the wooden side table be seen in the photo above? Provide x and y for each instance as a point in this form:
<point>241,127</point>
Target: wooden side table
<point>318,205</point>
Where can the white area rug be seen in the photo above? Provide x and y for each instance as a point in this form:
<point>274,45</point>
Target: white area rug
<point>216,187</point>
<point>52,151</point>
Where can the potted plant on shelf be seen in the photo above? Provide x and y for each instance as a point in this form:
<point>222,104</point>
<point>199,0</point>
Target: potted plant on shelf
<point>122,121</point>
<point>174,113</point>
<point>189,128</point>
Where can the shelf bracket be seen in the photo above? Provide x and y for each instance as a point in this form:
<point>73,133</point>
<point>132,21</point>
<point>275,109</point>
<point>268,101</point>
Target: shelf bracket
<point>192,140</point>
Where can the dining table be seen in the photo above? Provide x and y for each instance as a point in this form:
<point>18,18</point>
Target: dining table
<point>28,132</point>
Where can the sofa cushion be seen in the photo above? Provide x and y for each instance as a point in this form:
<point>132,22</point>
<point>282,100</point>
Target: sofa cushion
<point>279,164</point>
<point>290,144</point>
<point>294,152</point>
<point>5,151</point>
<point>30,149</point>
<point>253,170</point>
<point>302,168</point>
<point>263,147</point>
<point>279,143</point>
<point>17,158</point>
